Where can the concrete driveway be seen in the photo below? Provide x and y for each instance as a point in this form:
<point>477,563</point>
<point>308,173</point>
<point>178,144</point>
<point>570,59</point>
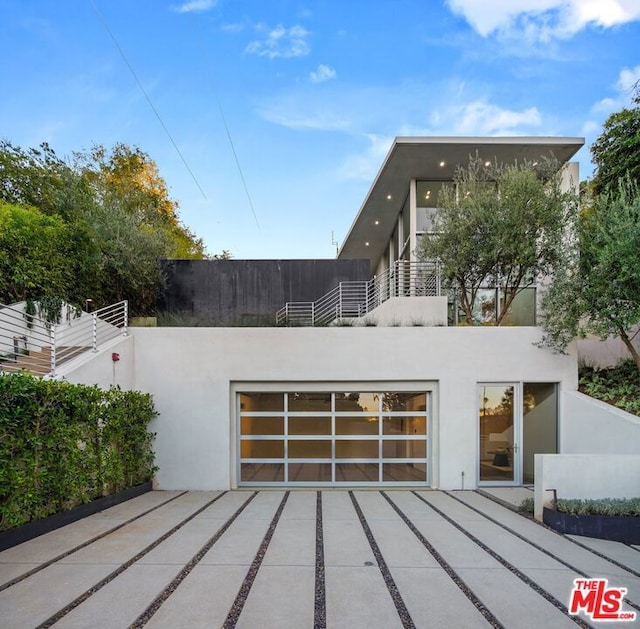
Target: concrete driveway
<point>333,558</point>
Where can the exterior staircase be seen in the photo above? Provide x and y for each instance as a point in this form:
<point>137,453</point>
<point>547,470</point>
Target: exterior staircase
<point>28,343</point>
<point>355,299</point>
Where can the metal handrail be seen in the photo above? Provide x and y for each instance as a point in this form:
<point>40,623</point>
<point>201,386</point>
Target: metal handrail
<point>354,299</point>
<point>46,345</point>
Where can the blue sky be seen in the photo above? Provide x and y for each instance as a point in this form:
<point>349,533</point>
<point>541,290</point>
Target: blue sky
<point>311,92</point>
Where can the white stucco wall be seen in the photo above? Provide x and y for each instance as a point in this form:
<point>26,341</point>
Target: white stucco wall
<point>100,369</point>
<point>591,426</point>
<point>407,311</point>
<point>191,372</point>
<point>586,476</point>
<point>593,352</point>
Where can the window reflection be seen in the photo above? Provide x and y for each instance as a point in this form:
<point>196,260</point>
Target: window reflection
<point>363,425</point>
<point>261,402</point>
<point>309,425</point>
<point>404,425</point>
<point>262,425</point>
<point>401,401</point>
<point>309,401</point>
<point>358,402</point>
<point>261,449</point>
<point>309,449</point>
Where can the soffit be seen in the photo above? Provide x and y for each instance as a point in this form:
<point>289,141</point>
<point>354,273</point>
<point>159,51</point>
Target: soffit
<point>420,158</point>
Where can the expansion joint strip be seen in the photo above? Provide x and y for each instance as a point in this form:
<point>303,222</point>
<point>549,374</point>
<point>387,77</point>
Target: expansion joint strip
<point>75,549</point>
<point>521,575</point>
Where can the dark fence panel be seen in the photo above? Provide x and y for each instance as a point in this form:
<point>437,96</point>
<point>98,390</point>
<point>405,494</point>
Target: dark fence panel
<point>246,292</point>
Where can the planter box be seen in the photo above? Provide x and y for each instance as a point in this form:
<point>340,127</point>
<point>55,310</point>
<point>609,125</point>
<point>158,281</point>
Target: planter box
<point>616,528</point>
<point>19,534</point>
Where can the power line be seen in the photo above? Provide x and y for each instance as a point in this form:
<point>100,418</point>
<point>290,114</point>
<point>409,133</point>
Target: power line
<point>226,126</point>
<point>155,111</point>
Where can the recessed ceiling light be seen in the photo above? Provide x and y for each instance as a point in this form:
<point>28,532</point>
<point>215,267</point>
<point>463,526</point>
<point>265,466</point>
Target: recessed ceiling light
<point>441,164</point>
<point>389,196</point>
<point>366,244</point>
<point>376,222</point>
<point>487,163</point>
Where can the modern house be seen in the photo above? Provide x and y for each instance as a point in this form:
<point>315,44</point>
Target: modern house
<point>399,397</point>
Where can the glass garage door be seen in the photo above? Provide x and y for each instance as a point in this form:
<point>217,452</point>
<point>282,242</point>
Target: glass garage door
<point>333,438</point>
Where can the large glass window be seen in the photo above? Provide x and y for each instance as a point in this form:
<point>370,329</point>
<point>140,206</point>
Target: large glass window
<point>333,437</point>
<point>428,192</point>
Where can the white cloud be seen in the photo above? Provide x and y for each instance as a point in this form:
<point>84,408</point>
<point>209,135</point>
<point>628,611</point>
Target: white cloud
<point>319,119</point>
<point>281,42</point>
<point>322,73</point>
<point>481,118</point>
<point>365,165</point>
<point>194,6</point>
<point>627,80</point>
<point>542,20</point>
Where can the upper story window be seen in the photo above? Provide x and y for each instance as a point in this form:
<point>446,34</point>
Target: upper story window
<point>427,192</point>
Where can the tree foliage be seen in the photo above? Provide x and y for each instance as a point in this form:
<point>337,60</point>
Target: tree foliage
<point>597,289</point>
<point>92,228</point>
<point>499,226</point>
<point>65,444</point>
<point>36,254</point>
<point>616,152</point>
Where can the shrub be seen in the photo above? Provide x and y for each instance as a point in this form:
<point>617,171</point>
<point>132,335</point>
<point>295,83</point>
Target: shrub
<point>526,506</point>
<point>604,506</point>
<point>63,444</point>
<point>618,386</point>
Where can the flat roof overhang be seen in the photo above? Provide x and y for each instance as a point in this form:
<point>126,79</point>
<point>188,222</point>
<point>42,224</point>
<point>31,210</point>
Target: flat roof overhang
<point>434,158</point>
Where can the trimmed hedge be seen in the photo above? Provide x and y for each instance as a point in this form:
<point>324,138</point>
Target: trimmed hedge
<point>64,444</point>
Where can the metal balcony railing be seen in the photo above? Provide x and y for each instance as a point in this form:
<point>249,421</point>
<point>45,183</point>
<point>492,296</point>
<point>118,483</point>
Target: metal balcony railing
<point>29,342</point>
<point>357,298</point>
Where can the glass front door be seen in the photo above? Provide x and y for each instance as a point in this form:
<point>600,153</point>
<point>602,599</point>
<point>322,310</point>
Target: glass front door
<point>497,429</point>
<point>516,421</point>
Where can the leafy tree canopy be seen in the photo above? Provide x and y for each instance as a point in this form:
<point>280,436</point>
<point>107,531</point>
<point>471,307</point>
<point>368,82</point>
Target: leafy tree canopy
<point>112,218</point>
<point>616,152</point>
<point>597,289</point>
<point>34,253</point>
<point>499,226</point>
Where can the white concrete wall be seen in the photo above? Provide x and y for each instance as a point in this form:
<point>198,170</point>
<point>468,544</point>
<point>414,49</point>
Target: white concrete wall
<point>100,369</point>
<point>591,426</point>
<point>593,352</point>
<point>586,476</point>
<point>408,311</point>
<point>191,373</point>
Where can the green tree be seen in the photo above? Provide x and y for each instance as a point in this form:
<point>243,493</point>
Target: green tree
<point>36,254</point>
<point>499,226</point>
<point>616,152</point>
<point>131,178</point>
<point>597,289</point>
<point>118,220</point>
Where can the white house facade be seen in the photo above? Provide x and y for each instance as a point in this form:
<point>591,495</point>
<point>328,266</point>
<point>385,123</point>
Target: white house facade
<point>387,401</point>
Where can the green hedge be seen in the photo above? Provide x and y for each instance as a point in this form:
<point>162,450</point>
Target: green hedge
<point>64,444</point>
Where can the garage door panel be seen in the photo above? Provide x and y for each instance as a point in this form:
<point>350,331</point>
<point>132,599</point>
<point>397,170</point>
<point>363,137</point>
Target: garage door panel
<point>333,438</point>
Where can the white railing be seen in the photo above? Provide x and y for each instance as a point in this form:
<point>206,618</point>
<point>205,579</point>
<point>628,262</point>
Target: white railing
<point>31,343</point>
<point>357,298</point>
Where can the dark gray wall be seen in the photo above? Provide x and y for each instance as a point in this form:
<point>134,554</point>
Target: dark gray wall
<point>246,292</point>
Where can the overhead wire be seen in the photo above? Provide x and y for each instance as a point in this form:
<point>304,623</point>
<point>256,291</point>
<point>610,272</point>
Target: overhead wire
<point>224,123</point>
<point>146,95</point>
